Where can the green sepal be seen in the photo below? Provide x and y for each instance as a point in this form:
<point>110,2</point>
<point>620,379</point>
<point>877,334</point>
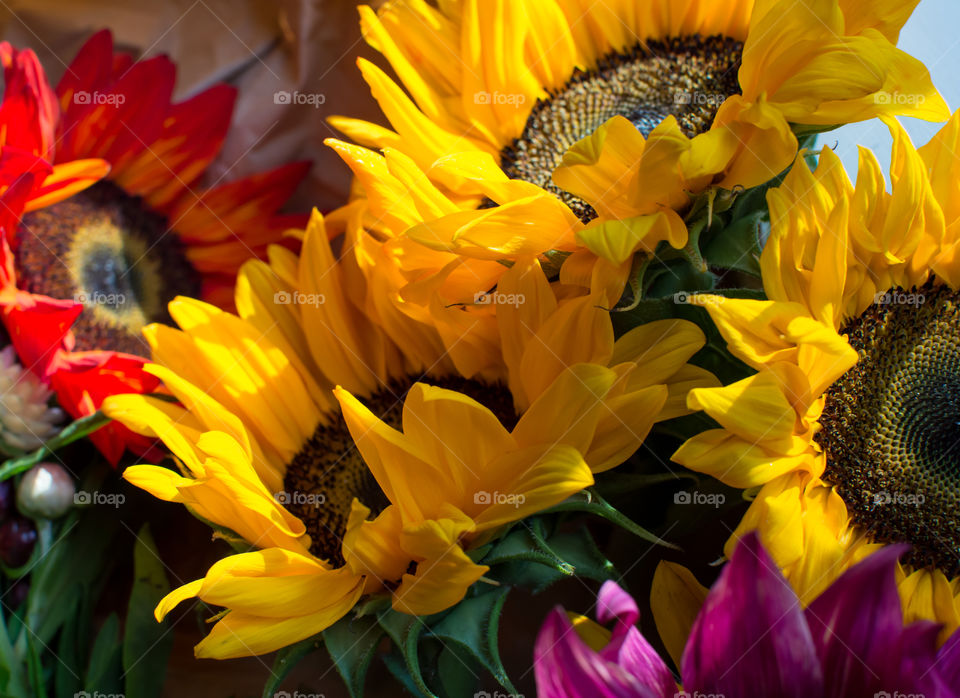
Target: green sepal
<point>808,131</point>
<point>457,672</point>
<point>525,543</point>
<point>286,659</point>
<point>146,643</point>
<point>472,625</point>
<point>737,245</point>
<point>398,667</point>
<point>405,631</point>
<point>352,643</point>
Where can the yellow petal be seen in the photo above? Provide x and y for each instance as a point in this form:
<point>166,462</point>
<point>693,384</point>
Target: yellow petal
<point>162,483</point>
<point>456,434</point>
<point>617,240</point>
<point>527,481</point>
<point>753,408</point>
<point>243,635</point>
<point>171,600</point>
<point>372,548</point>
<point>439,583</point>
<point>738,462</point>
<point>676,598</point>
<point>578,332</point>
<point>274,583</point>
<point>624,423</point>
<point>679,385</point>
<point>660,348</point>
<point>414,485</point>
<point>569,409</point>
<point>518,322</point>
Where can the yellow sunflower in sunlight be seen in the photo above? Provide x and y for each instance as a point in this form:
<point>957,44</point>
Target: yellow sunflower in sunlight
<point>573,126</point>
<point>306,431</point>
<point>849,429</point>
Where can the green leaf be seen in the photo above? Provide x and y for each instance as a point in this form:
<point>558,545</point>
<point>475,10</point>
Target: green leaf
<point>593,503</point>
<point>35,669</point>
<point>12,681</point>
<point>472,625</point>
<point>352,643</point>
<point>74,635</point>
<point>146,643</point>
<point>103,670</point>
<point>405,631</point>
<point>73,431</point>
<point>579,550</point>
<point>82,548</point>
<point>286,659</point>
<point>525,544</point>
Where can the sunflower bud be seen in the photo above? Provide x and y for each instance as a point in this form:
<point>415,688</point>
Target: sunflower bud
<point>45,492</point>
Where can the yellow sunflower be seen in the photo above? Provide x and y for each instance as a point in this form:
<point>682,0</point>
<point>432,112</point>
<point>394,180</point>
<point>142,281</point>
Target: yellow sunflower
<point>306,431</point>
<point>849,429</point>
<point>574,126</point>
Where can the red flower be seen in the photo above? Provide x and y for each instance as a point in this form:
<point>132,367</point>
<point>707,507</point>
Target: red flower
<point>112,117</point>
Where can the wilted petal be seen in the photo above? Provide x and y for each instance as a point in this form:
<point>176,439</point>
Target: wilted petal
<point>856,625</point>
<point>628,647</point>
<point>919,666</point>
<point>751,638</point>
<point>948,662</point>
<point>566,668</point>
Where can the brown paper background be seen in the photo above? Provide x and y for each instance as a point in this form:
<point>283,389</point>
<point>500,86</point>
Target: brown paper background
<point>261,47</point>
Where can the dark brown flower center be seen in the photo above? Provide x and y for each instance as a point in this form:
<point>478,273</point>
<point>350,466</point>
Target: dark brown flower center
<point>107,250</point>
<point>891,425</point>
<point>328,473</point>
<point>687,77</point>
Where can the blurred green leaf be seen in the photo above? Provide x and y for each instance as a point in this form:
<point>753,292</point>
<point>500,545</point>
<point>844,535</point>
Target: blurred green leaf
<point>70,433</point>
<point>12,681</point>
<point>83,548</point>
<point>146,643</point>
<point>35,669</point>
<point>104,668</point>
<point>72,646</point>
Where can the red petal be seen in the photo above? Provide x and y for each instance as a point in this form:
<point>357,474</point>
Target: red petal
<point>89,71</point>
<point>118,121</point>
<point>87,379</point>
<point>192,136</point>
<point>29,112</point>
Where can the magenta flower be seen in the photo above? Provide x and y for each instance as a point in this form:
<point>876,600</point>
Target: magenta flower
<point>752,639</point>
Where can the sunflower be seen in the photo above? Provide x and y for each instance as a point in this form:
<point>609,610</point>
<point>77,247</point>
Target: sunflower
<point>847,432</point>
<point>587,128</point>
<point>305,431</point>
<point>95,177</point>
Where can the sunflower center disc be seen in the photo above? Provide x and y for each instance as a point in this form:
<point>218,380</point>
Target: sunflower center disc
<point>688,77</point>
<point>328,472</point>
<point>891,424</point>
<point>104,249</point>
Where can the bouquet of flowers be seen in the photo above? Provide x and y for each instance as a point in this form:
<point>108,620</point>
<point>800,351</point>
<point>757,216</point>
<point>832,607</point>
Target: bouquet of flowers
<point>598,322</point>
